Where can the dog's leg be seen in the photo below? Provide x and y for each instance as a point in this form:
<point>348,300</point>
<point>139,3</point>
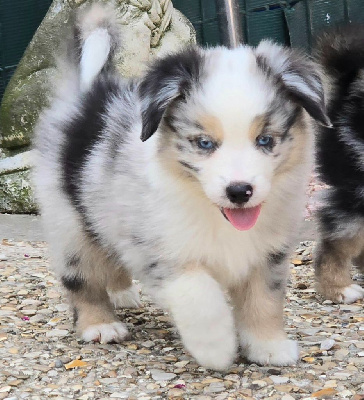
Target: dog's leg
<point>85,278</point>
<point>122,291</point>
<point>203,317</point>
<point>333,262</point>
<point>258,305</point>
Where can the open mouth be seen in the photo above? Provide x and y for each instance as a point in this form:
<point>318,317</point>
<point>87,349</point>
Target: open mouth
<point>242,219</point>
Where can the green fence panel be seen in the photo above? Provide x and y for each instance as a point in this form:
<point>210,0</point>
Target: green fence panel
<point>290,22</point>
<point>19,19</point>
<point>267,24</point>
<point>355,9</point>
<point>308,18</point>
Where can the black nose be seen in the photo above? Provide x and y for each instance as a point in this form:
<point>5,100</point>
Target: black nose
<point>239,192</point>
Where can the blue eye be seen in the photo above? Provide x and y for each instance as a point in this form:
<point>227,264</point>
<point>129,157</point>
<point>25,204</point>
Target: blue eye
<point>205,144</point>
<point>265,141</point>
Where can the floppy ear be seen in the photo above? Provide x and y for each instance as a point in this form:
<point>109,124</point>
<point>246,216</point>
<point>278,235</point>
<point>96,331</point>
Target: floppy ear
<point>169,78</point>
<point>298,77</point>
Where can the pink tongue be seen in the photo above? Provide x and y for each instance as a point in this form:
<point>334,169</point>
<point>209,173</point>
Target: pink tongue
<point>242,218</point>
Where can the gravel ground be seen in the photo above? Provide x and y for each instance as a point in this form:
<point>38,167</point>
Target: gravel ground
<point>41,357</point>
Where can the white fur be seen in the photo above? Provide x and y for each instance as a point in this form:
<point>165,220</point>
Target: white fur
<point>351,293</point>
<point>277,351</point>
<point>203,317</point>
<point>128,298</point>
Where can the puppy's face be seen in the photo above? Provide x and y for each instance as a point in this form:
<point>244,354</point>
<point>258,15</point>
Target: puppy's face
<point>233,126</point>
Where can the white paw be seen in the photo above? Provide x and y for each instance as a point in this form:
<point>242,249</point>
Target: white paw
<point>105,333</point>
<point>351,293</point>
<point>212,352</point>
<point>271,352</point>
<point>128,298</point>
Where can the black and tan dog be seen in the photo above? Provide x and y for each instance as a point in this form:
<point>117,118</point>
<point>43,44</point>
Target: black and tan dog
<point>340,158</point>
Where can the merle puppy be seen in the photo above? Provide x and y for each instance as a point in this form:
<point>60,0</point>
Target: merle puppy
<point>190,180</point>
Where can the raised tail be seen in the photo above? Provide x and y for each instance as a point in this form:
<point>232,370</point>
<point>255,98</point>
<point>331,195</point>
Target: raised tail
<point>340,51</point>
<point>94,40</point>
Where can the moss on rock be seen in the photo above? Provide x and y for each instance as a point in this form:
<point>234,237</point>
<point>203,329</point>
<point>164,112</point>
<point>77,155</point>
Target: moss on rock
<point>16,195</point>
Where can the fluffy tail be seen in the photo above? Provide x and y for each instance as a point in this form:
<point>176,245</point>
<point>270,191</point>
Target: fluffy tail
<point>341,51</point>
<point>94,40</point>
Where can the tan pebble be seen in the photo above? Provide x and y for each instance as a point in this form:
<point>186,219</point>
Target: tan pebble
<point>132,347</point>
<point>321,394</point>
<point>15,383</point>
<point>181,364</point>
<point>309,360</point>
<point>13,350</point>
<point>3,336</point>
<point>52,386</point>
<point>170,358</point>
<point>144,351</point>
<point>211,380</point>
<point>173,393</point>
<point>197,385</point>
<point>283,388</point>
<point>179,370</point>
<point>330,384</point>
<point>228,384</point>
<point>152,386</point>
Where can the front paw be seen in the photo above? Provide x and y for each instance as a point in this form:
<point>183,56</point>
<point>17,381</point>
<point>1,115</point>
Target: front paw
<point>278,352</point>
<point>212,351</point>
<point>345,294</point>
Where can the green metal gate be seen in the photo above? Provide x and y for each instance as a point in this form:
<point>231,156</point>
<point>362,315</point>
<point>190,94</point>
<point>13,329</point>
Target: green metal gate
<point>290,22</point>
<point>19,19</point>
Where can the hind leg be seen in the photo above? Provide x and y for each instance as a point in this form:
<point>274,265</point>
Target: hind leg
<point>122,291</point>
<point>335,252</point>
<point>359,261</point>
<point>85,276</point>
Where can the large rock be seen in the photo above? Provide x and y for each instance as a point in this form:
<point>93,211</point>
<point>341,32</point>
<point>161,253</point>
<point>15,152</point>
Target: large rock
<point>148,28</point>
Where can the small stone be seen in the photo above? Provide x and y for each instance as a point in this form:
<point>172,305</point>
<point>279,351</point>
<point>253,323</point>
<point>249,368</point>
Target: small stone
<point>15,382</point>
<point>287,397</point>
<point>181,364</point>
<point>301,286</point>
<point>160,375</point>
<point>176,393</point>
<point>322,394</point>
<point>259,383</point>
<point>57,333</point>
<point>345,394</point>
<point>120,395</point>
<point>215,387</point>
<point>58,364</point>
<point>279,379</point>
<point>361,354</point>
<point>3,257</point>
<point>273,371</point>
<point>327,344</point>
<point>211,380</point>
